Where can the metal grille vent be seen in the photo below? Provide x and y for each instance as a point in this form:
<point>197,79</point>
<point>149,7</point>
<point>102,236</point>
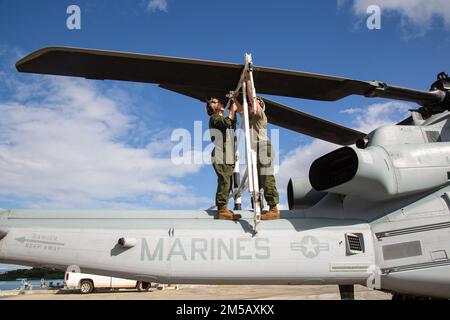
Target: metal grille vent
<point>355,243</point>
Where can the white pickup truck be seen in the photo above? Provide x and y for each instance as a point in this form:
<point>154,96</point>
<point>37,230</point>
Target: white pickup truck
<point>87,283</point>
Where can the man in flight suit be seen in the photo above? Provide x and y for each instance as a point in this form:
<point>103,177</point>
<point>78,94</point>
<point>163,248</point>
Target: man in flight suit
<point>223,158</point>
<point>266,178</point>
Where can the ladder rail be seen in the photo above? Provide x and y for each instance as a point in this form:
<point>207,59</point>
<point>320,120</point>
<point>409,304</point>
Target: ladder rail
<point>251,157</point>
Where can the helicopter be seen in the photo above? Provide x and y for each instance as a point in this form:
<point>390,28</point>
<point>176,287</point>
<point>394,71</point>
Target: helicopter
<point>374,212</point>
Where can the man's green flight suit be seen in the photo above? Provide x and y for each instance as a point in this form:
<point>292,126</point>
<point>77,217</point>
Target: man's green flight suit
<point>266,178</point>
<point>223,158</point>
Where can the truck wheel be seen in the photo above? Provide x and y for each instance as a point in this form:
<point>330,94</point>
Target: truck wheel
<point>86,286</point>
<point>143,286</point>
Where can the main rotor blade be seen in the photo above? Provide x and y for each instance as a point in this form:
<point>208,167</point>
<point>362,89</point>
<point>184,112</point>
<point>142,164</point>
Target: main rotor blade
<point>310,125</point>
<point>110,65</point>
<point>199,93</point>
<point>304,85</point>
<point>288,118</point>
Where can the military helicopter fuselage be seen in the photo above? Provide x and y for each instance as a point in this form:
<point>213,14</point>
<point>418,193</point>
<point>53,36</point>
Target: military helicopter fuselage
<point>382,221</point>
<point>375,214</point>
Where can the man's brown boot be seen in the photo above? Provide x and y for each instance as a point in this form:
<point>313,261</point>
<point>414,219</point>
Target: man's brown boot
<point>273,214</point>
<point>225,214</point>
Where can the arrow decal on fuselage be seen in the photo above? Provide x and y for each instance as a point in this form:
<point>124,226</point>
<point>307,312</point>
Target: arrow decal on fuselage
<point>23,240</point>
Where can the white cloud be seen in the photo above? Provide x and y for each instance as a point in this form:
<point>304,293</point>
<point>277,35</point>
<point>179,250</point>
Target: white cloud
<point>377,115</point>
<point>299,160</point>
<point>157,5</point>
<point>62,145</point>
<point>419,14</point>
<point>351,110</point>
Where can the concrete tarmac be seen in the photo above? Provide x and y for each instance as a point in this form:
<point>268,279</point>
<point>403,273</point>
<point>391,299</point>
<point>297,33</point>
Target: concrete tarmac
<point>207,292</point>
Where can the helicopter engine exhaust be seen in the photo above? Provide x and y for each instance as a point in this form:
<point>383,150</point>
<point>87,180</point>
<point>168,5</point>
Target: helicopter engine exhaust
<point>301,194</point>
<point>379,173</point>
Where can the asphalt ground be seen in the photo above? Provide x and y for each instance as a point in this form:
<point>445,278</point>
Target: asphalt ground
<point>205,292</point>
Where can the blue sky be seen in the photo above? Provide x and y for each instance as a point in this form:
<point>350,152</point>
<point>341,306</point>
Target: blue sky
<point>75,143</point>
